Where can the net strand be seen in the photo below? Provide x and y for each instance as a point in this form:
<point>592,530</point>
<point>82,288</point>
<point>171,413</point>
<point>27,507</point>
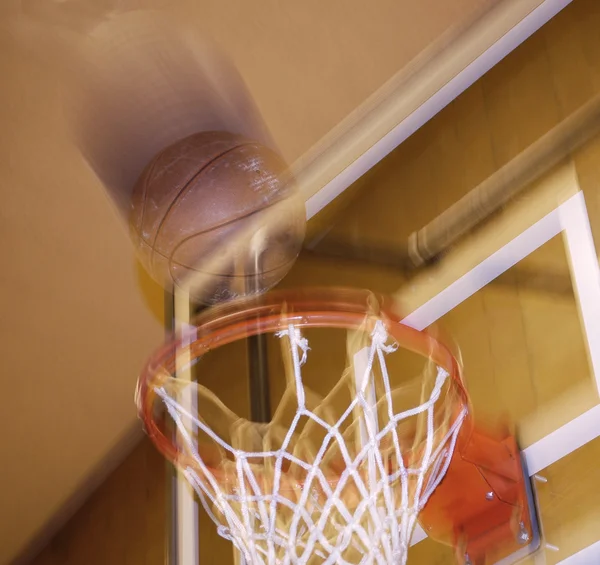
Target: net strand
<point>365,515</point>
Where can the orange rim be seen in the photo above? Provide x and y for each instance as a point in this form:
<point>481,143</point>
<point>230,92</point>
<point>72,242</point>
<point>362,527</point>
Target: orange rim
<point>340,308</point>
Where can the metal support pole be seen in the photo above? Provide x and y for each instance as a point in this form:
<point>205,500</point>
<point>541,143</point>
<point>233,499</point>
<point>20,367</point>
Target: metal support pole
<point>171,548</point>
<point>258,369</point>
<point>182,508</point>
<point>171,556</point>
<point>431,241</point>
<point>183,533</point>
<point>260,405</point>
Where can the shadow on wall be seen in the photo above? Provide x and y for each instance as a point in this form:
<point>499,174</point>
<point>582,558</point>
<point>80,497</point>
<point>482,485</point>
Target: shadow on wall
<point>152,292</point>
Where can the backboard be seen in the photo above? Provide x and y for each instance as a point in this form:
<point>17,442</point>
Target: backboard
<point>521,298</point>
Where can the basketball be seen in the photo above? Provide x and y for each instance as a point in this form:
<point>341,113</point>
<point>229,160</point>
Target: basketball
<point>198,208</point>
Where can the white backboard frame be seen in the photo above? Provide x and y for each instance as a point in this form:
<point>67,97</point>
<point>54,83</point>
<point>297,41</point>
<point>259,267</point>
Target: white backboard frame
<point>571,219</point>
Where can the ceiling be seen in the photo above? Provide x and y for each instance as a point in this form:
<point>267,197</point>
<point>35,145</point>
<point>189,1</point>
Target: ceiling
<point>331,80</point>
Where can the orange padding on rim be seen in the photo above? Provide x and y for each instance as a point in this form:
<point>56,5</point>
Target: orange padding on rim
<point>481,506</point>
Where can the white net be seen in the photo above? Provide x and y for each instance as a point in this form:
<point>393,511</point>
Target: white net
<point>335,480</point>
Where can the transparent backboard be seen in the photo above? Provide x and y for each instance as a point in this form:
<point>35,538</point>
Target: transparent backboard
<point>521,298</point>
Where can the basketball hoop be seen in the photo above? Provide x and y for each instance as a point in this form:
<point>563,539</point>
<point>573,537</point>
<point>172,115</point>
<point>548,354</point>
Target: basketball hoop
<point>339,489</point>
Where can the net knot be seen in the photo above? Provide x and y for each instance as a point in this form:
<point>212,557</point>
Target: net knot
<point>379,337</point>
<point>296,340</point>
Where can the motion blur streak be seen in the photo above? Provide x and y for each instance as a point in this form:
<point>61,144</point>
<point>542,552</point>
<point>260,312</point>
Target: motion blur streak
<point>133,82</point>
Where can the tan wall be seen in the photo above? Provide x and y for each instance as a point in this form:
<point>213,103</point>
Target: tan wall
<point>75,322</point>
<point>122,522</point>
<point>522,98</point>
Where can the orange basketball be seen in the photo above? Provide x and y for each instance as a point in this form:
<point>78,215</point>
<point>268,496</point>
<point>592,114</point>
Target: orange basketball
<point>204,197</point>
